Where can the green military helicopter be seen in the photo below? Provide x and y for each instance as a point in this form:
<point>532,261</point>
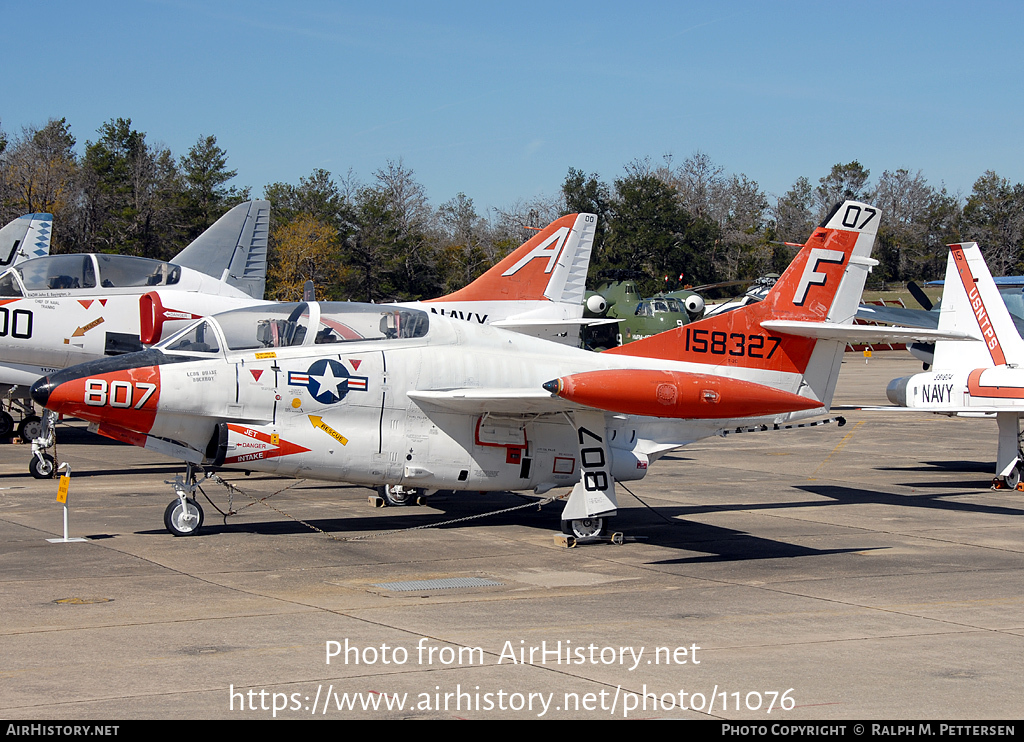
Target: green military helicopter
<point>631,317</point>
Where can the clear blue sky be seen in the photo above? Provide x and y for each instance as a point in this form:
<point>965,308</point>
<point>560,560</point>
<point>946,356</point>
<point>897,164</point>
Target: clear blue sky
<point>499,100</point>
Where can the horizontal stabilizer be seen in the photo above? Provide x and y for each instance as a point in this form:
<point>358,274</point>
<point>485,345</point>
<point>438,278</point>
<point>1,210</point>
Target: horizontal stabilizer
<point>234,249</point>
<point>862,333</point>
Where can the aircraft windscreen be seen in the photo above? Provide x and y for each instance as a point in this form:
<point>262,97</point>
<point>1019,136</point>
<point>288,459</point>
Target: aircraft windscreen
<point>9,285</point>
<point>201,338</point>
<point>117,271</point>
<point>651,307</point>
<point>58,272</point>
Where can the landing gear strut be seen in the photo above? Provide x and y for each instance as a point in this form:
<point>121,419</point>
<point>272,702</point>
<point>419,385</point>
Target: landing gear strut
<point>41,465</point>
<point>184,516</point>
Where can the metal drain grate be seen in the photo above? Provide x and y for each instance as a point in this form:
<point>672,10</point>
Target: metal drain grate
<point>447,583</point>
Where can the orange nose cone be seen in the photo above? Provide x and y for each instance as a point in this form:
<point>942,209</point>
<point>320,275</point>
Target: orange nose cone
<point>678,394</point>
<point>127,398</point>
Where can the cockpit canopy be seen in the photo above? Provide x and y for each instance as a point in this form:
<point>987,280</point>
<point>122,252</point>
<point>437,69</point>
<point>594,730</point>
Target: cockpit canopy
<point>270,326</point>
<point>86,271</point>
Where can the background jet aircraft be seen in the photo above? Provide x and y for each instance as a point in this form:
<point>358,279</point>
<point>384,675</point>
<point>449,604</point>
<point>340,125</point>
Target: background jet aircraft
<point>415,402</point>
<point>1010,294</point>
<point>59,310</point>
<point>23,238</point>
<point>537,290</point>
<point>26,237</point>
<point>983,376</point>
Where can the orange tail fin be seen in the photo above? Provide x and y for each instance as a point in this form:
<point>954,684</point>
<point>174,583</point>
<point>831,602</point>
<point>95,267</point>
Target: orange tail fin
<point>550,266</point>
<point>819,285</point>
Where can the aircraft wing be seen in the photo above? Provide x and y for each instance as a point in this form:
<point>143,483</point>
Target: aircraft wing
<point>507,400</point>
<point>234,249</point>
<point>862,333</point>
<point>915,317</point>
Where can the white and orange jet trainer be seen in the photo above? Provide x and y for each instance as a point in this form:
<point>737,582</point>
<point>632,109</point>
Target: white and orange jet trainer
<point>414,402</point>
<point>59,310</point>
<point>67,309</point>
<point>972,378</point>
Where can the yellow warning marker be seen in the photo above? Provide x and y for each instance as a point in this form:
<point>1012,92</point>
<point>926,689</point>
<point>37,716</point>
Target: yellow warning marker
<point>62,490</point>
<point>318,422</point>
<point>62,498</point>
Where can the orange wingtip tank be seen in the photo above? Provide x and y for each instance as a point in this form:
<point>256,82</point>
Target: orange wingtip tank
<point>675,394</point>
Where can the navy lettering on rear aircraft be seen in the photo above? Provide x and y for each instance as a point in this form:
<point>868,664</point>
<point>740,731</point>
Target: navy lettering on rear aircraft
<point>941,393</point>
<point>328,381</point>
<point>456,314</point>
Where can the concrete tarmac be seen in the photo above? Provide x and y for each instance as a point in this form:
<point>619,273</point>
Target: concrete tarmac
<point>862,572</point>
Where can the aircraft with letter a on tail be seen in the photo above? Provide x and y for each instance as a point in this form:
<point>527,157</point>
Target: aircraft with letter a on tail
<point>414,402</point>
<point>982,376</point>
<point>59,310</point>
<point>537,290</point>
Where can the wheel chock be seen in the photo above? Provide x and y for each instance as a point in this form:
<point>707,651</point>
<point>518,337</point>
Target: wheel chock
<point>376,501</point>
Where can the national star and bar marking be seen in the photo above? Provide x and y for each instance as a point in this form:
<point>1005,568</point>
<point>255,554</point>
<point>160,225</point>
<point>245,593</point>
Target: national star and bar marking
<point>328,381</point>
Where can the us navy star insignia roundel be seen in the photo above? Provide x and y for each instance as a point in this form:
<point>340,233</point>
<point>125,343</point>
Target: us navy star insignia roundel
<point>328,381</point>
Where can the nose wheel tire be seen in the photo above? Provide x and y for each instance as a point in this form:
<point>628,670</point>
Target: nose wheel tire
<point>183,521</point>
<point>583,528</point>
<point>1013,478</point>
<point>42,469</point>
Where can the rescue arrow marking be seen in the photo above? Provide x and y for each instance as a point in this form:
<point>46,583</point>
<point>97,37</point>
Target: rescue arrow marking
<point>318,422</point>
<point>84,329</point>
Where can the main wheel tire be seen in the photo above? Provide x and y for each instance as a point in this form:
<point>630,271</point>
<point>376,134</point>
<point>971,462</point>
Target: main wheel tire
<point>30,428</point>
<point>43,469</point>
<point>584,527</point>
<point>6,424</point>
<point>395,495</point>
<point>1013,478</point>
<point>183,521</point>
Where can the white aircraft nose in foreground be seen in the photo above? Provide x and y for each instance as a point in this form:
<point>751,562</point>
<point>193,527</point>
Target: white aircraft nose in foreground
<point>412,401</point>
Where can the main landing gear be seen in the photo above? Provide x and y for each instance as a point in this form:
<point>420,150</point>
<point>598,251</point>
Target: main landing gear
<point>1010,458</point>
<point>395,495</point>
<point>584,528</point>
<point>1012,480</point>
<point>184,515</point>
<point>6,424</point>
